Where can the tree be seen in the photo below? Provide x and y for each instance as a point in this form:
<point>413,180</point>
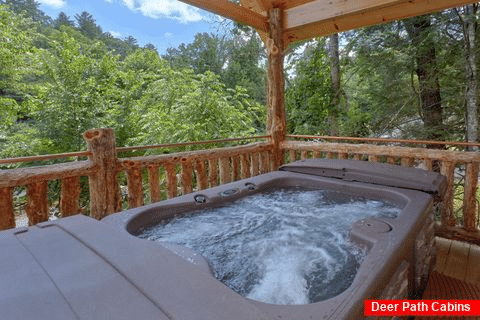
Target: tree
<point>86,24</point>
<point>419,31</point>
<point>309,94</point>
<point>469,23</point>
<point>207,52</point>
<point>63,20</point>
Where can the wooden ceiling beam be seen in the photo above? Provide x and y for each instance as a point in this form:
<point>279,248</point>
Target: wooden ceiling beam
<point>368,17</point>
<point>321,10</point>
<point>232,11</point>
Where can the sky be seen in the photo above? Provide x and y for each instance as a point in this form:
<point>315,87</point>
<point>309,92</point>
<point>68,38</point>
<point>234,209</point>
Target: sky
<point>164,23</point>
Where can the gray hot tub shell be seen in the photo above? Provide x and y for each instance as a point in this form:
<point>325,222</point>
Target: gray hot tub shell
<point>80,268</point>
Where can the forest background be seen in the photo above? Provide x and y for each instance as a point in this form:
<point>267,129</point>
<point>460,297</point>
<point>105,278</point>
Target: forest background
<point>415,78</point>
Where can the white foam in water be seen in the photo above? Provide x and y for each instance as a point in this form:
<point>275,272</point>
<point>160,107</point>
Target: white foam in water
<point>288,246</point>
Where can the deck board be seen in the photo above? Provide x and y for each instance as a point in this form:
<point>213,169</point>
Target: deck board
<point>459,260</point>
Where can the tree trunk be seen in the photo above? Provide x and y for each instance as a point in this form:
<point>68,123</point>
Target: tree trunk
<point>418,29</point>
<point>469,32</point>
<point>334,67</point>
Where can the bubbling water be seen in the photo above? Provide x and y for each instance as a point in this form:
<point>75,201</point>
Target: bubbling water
<point>287,246</point>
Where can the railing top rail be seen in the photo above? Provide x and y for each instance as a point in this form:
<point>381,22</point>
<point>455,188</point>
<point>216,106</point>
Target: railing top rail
<point>45,157</point>
<point>386,140</point>
<point>192,143</point>
<point>124,149</point>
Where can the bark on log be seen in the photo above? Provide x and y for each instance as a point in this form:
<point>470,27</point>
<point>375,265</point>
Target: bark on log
<point>343,155</point>
<point>7,218</point>
<point>264,162</point>
<point>317,154</point>
<point>276,120</point>
<point>69,196</point>
<point>37,203</point>
<point>105,196</point>
<point>373,158</point>
<point>470,205</point>
<point>304,154</point>
<point>407,161</point>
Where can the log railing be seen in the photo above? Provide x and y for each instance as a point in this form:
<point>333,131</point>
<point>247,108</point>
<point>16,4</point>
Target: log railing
<point>118,183</point>
<point>161,176</point>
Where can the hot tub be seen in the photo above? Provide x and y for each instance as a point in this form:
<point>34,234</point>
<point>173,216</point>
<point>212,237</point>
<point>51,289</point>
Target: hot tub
<point>85,269</point>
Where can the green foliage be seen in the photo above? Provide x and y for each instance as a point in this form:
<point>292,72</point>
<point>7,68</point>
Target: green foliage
<point>309,94</point>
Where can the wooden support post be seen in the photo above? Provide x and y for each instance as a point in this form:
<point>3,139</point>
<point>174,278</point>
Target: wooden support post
<point>317,154</point>
<point>447,216</point>
<point>276,123</point>
<point>135,187</point>
<point>37,202</point>
<point>7,219</point>
<point>154,181</point>
<point>105,196</point>
<point>343,155</point>
<point>373,158</point>
<point>187,172</point>
<point>303,154</point>
<point>330,155</point>
<point>357,156</point>
<point>69,196</point>
<point>391,160</point>
<point>264,162</point>
<point>470,206</point>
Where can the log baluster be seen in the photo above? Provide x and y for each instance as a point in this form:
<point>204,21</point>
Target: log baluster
<point>264,165</point>
<point>292,154</point>
<point>391,160</point>
<point>357,156</point>
<point>447,215</point>
<point>224,167</point>
<point>470,206</point>
<point>317,154</point>
<point>236,168</point>
<point>69,196</point>
<point>154,182</point>
<point>330,155</point>
<point>255,164</point>
<point>406,161</point>
<point>373,158</point>
<point>304,154</point>
<point>201,173</point>
<point>213,172</point>
<point>428,163</point>
<point>37,202</point>
<point>135,186</point>
<point>187,171</point>
<point>7,218</point>
<point>245,165</point>
<point>343,155</point>
<point>171,177</point>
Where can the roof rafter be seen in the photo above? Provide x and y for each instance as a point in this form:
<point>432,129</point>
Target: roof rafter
<point>390,10</point>
<point>232,11</point>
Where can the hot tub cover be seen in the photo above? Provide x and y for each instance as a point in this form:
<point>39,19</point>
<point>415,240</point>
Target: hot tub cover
<point>81,268</point>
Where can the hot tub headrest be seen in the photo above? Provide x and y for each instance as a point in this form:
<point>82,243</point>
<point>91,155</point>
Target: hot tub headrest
<point>372,172</point>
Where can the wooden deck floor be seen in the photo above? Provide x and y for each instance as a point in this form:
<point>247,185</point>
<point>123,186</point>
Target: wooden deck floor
<point>458,260</point>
